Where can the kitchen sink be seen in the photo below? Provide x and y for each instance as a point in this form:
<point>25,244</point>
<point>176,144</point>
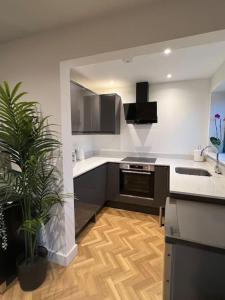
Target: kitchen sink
<point>192,171</point>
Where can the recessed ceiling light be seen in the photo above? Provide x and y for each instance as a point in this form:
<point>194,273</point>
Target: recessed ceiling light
<point>127,60</point>
<point>167,51</point>
<point>169,76</point>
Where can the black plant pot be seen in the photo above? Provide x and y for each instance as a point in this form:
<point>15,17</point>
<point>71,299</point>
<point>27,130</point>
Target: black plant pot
<point>32,275</point>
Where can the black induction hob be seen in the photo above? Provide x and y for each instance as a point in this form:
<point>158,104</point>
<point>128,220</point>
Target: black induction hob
<point>140,159</point>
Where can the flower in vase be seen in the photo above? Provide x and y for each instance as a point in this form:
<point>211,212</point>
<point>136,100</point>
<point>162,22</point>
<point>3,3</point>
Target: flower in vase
<point>218,138</point>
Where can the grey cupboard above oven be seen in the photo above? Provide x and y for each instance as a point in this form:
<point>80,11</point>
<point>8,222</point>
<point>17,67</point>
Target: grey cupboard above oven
<point>92,113</point>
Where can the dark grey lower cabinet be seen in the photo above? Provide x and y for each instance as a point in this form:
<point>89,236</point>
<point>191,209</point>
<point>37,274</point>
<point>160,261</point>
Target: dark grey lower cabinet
<point>161,191</point>
<point>96,187</point>
<point>113,182</point>
<point>162,182</point>
<point>193,272</point>
<point>90,196</point>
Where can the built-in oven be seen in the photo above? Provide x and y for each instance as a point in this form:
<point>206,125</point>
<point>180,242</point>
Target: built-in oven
<point>137,180</point>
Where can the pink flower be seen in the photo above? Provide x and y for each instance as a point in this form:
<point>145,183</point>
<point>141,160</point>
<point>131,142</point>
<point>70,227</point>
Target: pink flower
<point>217,116</point>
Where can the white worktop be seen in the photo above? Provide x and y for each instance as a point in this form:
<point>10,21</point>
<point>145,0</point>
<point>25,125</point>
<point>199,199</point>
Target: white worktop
<point>83,166</point>
<point>213,186</point>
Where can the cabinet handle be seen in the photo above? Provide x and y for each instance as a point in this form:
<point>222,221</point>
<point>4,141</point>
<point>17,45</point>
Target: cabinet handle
<point>133,172</point>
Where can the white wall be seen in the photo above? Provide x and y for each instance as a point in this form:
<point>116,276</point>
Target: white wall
<point>86,142</point>
<point>35,61</point>
<point>183,120</point>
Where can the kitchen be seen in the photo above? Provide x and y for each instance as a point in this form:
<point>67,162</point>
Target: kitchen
<point>139,151</point>
<point>132,207</point>
<point>127,168</point>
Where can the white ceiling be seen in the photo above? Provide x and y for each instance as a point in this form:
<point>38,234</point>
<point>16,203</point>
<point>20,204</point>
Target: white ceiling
<point>184,64</point>
<point>20,18</point>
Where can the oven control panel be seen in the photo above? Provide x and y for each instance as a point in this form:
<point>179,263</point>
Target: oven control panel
<point>138,167</point>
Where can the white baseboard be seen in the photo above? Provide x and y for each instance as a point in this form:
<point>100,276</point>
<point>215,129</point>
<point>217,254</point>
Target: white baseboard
<point>61,258</point>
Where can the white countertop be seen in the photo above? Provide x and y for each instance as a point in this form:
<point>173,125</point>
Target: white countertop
<point>83,166</point>
<point>212,155</point>
<point>213,186</point>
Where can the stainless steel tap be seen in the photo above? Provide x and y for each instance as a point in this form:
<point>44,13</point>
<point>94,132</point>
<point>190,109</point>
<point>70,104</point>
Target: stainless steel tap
<point>217,166</point>
<point>203,150</point>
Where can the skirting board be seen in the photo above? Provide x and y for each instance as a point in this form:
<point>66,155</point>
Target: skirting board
<point>61,258</point>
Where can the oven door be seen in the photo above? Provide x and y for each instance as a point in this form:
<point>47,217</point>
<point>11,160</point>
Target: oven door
<point>137,183</point>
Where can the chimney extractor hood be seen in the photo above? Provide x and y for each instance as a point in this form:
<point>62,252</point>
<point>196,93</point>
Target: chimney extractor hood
<point>143,111</point>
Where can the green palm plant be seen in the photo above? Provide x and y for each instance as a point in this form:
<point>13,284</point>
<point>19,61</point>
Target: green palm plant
<point>29,147</point>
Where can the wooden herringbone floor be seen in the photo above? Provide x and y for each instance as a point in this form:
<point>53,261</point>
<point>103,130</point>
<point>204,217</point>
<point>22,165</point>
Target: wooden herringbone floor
<point>120,258</point>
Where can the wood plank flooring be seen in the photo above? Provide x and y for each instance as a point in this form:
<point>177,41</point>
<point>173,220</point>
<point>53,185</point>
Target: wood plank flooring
<point>120,258</point>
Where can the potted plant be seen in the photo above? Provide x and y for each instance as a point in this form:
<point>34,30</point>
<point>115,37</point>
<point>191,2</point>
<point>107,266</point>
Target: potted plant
<point>32,182</point>
<point>217,140</point>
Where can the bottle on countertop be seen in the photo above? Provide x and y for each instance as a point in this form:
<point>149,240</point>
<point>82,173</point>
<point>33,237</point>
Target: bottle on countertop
<point>80,153</point>
<point>74,156</point>
<point>198,156</point>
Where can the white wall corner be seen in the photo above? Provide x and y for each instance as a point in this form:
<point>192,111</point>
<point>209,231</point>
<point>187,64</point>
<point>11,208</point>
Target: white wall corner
<point>61,258</point>
<point>68,214</point>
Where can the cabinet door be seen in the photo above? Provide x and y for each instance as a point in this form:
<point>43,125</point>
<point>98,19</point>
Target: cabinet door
<point>89,190</point>
<point>85,110</point>
<point>110,114</point>
<point>161,185</point>
<point>197,273</point>
<point>99,185</point>
<point>91,113</point>
<point>77,108</point>
<point>84,204</point>
<point>113,181</point>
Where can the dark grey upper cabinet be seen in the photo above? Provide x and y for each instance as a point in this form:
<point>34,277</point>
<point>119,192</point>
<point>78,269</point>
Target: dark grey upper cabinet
<point>110,113</point>
<point>91,113</point>
<point>85,109</point>
<point>91,119</point>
